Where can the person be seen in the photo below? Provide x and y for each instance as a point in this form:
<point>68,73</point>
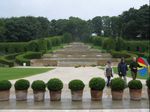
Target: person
<point>133,67</point>
<point>108,72</point>
<point>122,69</point>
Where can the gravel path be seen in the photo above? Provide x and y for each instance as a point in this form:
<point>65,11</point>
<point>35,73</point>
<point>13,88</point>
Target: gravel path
<point>69,73</point>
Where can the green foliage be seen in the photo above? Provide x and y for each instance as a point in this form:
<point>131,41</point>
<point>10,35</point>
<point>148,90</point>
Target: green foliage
<point>5,85</point>
<point>12,47</point>
<point>38,85</point>
<point>148,82</point>
<point>54,84</point>
<point>22,84</point>
<point>120,44</point>
<point>25,57</point>
<point>109,44</point>
<point>119,54</point>
<point>24,28</point>
<point>97,83</point>
<point>97,24</point>
<point>8,59</point>
<point>116,54</point>
<point>67,37</point>
<point>117,84</point>
<point>76,85</point>
<point>4,61</point>
<point>135,84</point>
<point>17,73</point>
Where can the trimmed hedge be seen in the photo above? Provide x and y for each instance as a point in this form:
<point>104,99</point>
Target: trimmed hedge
<point>54,84</point>
<point>97,83</point>
<point>109,44</point>
<point>76,85</point>
<point>5,85</point>
<point>117,84</point>
<point>8,59</point>
<point>25,57</point>
<point>38,85</point>
<point>22,84</point>
<point>39,45</point>
<point>135,84</point>
<point>125,54</point>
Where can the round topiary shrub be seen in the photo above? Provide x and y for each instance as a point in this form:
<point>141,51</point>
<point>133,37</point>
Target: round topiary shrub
<point>38,85</point>
<point>5,85</point>
<point>135,84</point>
<point>97,83</point>
<point>148,83</point>
<point>76,85</point>
<point>22,84</point>
<point>55,84</point>
<point>117,84</point>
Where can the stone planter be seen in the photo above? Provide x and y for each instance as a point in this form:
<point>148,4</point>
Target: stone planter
<point>21,95</point>
<point>96,95</point>
<point>148,92</point>
<point>4,95</point>
<point>39,95</point>
<point>77,95</point>
<point>117,95</point>
<point>135,94</point>
<point>55,95</point>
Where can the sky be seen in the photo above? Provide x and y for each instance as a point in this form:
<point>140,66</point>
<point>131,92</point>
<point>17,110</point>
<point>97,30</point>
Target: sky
<point>63,9</point>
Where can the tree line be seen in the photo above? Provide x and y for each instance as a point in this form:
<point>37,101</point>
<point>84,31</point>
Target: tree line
<point>131,24</point>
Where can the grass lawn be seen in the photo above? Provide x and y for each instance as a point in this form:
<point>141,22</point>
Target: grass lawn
<point>15,73</point>
<point>129,74</point>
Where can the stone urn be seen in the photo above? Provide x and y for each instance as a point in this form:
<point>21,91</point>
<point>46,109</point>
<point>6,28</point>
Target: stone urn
<point>117,95</point>
<point>77,95</point>
<point>96,95</point>
<point>21,95</point>
<point>4,95</point>
<point>135,94</point>
<point>55,95</point>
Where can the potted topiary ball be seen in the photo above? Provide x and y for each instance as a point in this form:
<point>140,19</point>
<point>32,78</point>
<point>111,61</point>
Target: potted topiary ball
<point>5,86</point>
<point>148,87</point>
<point>97,85</point>
<point>55,86</point>
<point>135,88</point>
<point>117,86</point>
<point>39,88</point>
<point>21,89</point>
<point>76,87</point>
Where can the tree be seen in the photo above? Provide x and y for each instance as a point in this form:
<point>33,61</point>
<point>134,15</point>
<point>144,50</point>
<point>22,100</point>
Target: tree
<point>97,25</point>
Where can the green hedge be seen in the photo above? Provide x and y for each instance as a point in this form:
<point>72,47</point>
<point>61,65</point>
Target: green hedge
<point>12,47</point>
<point>118,44</point>
<point>8,59</point>
<point>39,45</point>
<point>25,57</point>
<point>119,54</point>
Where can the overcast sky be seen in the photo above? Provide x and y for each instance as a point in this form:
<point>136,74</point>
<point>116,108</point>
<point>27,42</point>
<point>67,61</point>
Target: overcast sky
<point>61,9</point>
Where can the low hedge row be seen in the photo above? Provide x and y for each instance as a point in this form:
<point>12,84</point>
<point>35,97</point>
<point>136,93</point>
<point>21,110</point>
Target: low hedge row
<point>25,57</point>
<point>39,45</point>
<point>125,54</point>
<point>8,59</point>
<point>118,44</point>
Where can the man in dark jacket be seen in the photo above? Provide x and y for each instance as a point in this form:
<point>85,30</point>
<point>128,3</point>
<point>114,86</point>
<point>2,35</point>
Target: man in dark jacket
<point>133,66</point>
<point>122,69</point>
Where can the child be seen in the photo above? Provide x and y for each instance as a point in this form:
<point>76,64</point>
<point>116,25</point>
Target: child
<point>108,72</point>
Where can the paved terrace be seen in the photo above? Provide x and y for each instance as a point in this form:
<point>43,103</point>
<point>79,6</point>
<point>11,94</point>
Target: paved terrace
<point>84,73</point>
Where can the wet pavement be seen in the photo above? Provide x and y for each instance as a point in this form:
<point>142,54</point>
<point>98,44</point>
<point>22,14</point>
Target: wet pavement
<point>66,103</point>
